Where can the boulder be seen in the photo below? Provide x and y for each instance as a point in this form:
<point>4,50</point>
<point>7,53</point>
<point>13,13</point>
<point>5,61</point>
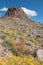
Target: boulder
<point>40,54</point>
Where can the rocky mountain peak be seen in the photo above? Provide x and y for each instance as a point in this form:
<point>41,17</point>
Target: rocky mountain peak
<point>18,12</point>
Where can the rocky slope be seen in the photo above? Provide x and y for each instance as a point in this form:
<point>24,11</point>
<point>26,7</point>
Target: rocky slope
<point>19,35</point>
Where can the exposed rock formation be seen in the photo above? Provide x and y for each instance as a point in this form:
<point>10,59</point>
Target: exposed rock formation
<point>40,54</point>
<point>13,11</point>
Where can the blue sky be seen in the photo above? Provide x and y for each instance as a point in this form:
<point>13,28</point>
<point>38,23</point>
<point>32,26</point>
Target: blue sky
<point>34,5</point>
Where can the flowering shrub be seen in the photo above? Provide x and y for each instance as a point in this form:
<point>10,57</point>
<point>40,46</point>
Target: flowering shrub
<point>10,40</point>
<point>17,60</point>
<point>2,61</point>
<point>8,31</point>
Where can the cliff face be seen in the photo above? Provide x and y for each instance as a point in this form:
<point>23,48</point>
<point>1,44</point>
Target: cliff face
<point>13,11</point>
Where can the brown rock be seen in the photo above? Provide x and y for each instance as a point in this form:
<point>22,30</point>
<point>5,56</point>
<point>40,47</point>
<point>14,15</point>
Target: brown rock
<point>13,11</point>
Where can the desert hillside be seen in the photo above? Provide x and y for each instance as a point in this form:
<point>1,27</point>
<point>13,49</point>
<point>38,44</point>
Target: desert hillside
<point>21,39</point>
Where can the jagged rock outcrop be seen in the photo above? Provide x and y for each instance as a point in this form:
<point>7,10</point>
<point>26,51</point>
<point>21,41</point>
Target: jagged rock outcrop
<point>13,11</point>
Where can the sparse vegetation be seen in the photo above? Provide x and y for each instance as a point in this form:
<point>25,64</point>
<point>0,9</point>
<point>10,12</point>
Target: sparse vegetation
<point>19,41</point>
